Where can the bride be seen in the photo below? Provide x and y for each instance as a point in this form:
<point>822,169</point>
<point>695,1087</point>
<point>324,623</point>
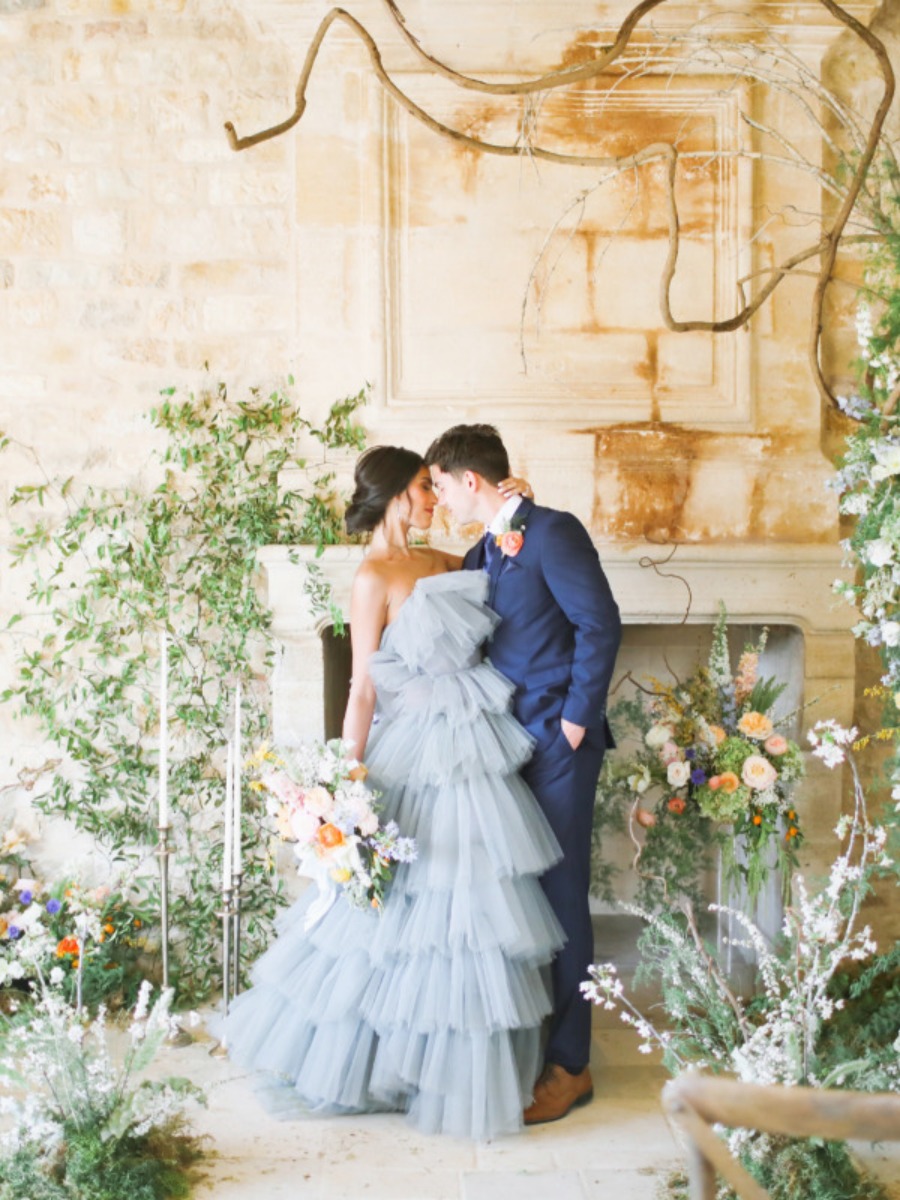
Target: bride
<point>434,1007</point>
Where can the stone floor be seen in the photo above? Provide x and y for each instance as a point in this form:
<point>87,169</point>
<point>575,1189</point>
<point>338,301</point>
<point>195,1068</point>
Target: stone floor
<point>620,1147</point>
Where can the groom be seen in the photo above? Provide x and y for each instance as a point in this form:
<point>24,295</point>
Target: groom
<point>557,642</point>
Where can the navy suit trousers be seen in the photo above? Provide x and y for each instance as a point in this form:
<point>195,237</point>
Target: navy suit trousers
<point>565,783</point>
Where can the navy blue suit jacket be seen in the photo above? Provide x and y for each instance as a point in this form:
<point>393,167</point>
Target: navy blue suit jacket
<point>560,629</point>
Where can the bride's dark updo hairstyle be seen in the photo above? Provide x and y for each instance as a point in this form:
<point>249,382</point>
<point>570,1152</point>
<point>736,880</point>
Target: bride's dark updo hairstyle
<point>382,474</point>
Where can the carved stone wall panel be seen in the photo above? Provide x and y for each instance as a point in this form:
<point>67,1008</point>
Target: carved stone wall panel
<point>521,284</point>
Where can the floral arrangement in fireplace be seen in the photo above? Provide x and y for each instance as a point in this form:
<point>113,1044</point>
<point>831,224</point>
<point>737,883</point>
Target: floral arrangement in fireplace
<point>711,771</point>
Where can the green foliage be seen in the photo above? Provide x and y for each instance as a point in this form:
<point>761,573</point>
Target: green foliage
<point>87,1128</point>
<point>111,568</point>
<point>159,1165</point>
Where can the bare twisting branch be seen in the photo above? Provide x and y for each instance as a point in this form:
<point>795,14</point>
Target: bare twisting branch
<point>769,64</point>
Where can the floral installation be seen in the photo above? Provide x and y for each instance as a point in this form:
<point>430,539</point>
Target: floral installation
<point>82,1123</point>
<point>711,770</point>
<point>794,1031</point>
<point>90,938</point>
<point>318,799</point>
<point>867,486</point>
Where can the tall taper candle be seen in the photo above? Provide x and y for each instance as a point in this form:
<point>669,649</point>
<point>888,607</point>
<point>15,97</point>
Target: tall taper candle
<point>236,868</point>
<point>229,816</point>
<point>163,731</point>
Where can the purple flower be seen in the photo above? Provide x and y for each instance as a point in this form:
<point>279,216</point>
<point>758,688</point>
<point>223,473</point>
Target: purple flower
<point>690,754</point>
<point>25,897</point>
<point>53,907</point>
<point>698,776</point>
<point>13,932</point>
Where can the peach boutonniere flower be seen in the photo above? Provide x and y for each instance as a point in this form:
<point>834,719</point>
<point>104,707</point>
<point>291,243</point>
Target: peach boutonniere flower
<point>511,539</point>
<point>510,542</point>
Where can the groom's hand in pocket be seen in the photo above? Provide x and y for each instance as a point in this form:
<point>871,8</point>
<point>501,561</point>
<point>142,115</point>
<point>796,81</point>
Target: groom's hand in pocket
<point>574,734</point>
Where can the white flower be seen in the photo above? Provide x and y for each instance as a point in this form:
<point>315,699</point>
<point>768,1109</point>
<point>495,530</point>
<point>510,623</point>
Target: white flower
<point>57,975</point>
<point>657,735</point>
<point>639,781</point>
<point>887,459</point>
<point>855,504</point>
<point>678,773</point>
<point>890,633</point>
<point>880,552</point>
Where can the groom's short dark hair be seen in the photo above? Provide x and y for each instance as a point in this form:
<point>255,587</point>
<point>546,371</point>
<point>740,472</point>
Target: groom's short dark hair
<point>476,448</point>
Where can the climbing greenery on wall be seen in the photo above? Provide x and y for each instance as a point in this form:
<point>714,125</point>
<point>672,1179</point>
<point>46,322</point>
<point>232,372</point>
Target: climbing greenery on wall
<point>110,568</point>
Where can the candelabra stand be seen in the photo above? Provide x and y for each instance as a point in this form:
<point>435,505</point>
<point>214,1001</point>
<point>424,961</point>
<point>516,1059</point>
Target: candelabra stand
<point>236,879</point>
<point>162,853</point>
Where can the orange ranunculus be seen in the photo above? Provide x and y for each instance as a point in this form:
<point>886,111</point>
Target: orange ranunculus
<point>510,543</point>
<point>757,819</point>
<point>677,805</point>
<point>359,772</point>
<point>68,945</point>
<point>718,733</point>
<point>755,725</point>
<point>729,782</point>
<point>330,836</point>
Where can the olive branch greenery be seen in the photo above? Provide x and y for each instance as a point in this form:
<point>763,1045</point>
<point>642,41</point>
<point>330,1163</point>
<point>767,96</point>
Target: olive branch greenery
<point>110,568</point>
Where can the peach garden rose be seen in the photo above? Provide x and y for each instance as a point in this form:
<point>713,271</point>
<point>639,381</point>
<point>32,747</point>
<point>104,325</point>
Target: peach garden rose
<point>755,725</point>
<point>758,773</point>
<point>776,744</point>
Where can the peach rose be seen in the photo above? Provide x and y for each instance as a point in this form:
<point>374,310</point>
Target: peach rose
<point>645,818</point>
<point>758,773</point>
<point>718,733</point>
<point>510,543</point>
<point>728,782</point>
<point>359,772</point>
<point>756,726</point>
<point>776,744</point>
<point>330,837</point>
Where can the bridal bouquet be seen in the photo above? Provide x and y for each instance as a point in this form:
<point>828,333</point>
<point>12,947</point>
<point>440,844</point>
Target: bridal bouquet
<point>318,799</point>
<point>711,769</point>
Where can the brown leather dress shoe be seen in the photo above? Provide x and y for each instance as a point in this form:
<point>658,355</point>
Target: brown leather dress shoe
<point>557,1092</point>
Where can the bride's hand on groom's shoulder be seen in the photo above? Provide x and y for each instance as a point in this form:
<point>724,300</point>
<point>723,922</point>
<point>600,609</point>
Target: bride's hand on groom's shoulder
<point>515,486</point>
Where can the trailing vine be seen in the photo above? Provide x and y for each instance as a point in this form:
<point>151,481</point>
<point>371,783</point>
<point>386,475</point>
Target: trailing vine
<point>118,566</point>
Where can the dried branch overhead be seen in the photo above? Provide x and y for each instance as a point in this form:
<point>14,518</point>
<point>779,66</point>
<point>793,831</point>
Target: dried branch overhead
<point>851,193</point>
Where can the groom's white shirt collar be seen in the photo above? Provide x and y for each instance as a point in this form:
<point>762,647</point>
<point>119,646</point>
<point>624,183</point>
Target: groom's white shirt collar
<point>501,520</point>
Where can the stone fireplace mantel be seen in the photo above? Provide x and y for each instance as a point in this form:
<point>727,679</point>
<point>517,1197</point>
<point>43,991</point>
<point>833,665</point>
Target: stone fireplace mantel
<point>772,583</point>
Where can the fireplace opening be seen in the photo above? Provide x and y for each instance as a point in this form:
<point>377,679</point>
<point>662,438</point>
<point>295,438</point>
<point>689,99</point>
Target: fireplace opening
<point>337,667</point>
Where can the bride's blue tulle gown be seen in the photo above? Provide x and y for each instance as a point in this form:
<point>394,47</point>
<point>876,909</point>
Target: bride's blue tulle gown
<point>433,1007</point>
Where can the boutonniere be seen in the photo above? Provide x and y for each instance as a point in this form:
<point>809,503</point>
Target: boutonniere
<point>511,538</point>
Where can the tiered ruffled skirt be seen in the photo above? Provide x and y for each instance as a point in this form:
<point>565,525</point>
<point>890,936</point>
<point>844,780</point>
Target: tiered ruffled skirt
<point>435,1006</point>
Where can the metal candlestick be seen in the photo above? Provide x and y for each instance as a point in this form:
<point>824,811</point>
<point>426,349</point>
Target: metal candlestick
<point>236,939</point>
<point>227,922</point>
<point>162,853</point>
